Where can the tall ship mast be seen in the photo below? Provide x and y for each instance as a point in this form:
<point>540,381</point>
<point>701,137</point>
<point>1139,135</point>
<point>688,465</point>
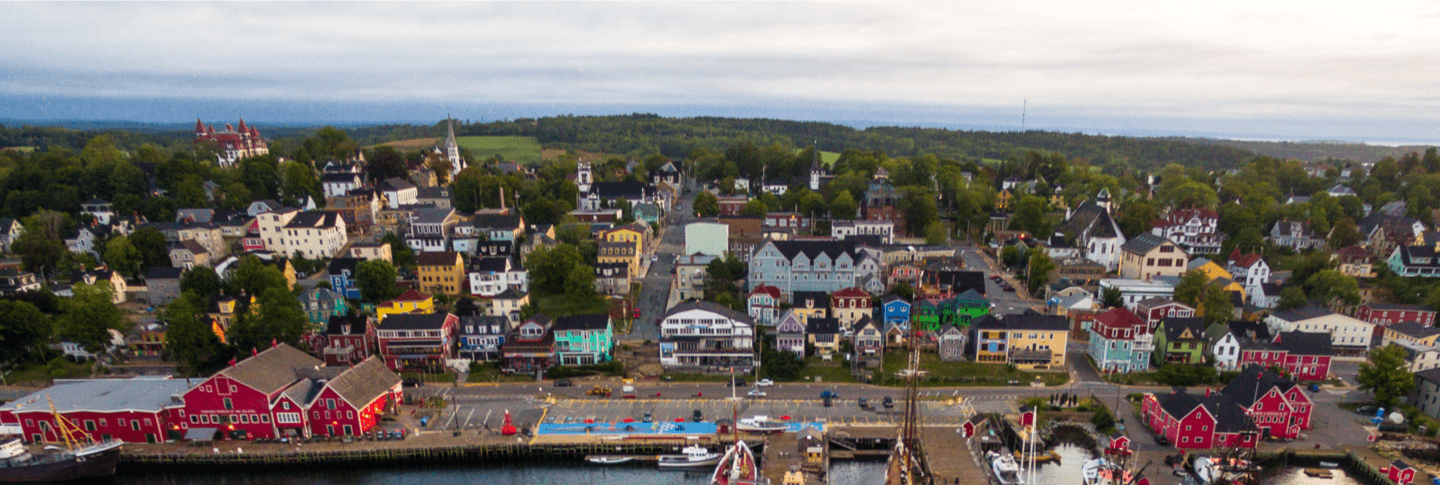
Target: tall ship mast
<point>83,457</point>
<point>905,467</point>
<point>737,466</point>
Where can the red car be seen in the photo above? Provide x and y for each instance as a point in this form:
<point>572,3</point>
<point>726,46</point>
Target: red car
<point>637,313</point>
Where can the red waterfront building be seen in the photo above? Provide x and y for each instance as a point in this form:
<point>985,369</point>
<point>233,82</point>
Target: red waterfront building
<point>348,339</point>
<point>417,341</point>
<point>232,143</point>
<point>140,410</point>
<point>1304,355</point>
<point>1253,405</point>
<point>1384,314</point>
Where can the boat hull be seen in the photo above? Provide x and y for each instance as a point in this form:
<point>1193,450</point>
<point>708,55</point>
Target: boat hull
<point>99,464</point>
<point>690,464</point>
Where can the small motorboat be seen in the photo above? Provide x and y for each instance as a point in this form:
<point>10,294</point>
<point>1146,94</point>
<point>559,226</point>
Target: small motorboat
<point>1319,473</point>
<point>693,456</point>
<point>609,459</point>
<point>761,424</point>
<point>1007,472</point>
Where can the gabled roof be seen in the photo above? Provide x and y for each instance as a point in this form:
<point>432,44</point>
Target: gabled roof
<point>970,295</point>
<point>412,295</point>
<point>394,184</point>
<point>443,258</point>
<point>958,281</point>
<point>271,370</point>
<point>496,221</point>
<point>341,265</point>
<point>822,326</point>
<point>709,307</point>
<point>1305,343</point>
<point>893,298</point>
<point>1409,254</point>
<point>365,382</point>
<point>1174,327</point>
<point>815,247</point>
<point>1414,330</point>
<point>314,220</point>
<point>347,325</point>
<point>105,395</point>
<point>1144,243</point>
<point>412,321</point>
<point>765,289</point>
<point>509,294</point>
<point>1031,320</point>
<point>163,273</point>
<point>1243,388</point>
<point>596,321</point>
<point>798,299</point>
<point>988,321</point>
<point>851,292</point>
<point>1303,313</point>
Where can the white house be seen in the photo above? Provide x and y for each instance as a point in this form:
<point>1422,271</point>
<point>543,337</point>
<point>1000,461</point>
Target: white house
<point>790,334</point>
<point>339,184</point>
<point>1133,292</point>
<point>492,276</point>
<point>1250,270</point>
<point>840,229</point>
<point>1348,335</point>
<point>399,192</point>
<point>1096,231</point>
<point>1226,352</point>
<point>700,336</point>
<point>315,235</point>
<point>272,225</point>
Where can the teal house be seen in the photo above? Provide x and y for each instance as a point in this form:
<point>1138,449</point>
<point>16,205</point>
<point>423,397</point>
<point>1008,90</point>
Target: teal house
<point>964,308</point>
<point>925,315</point>
<point>320,304</point>
<point>583,339</point>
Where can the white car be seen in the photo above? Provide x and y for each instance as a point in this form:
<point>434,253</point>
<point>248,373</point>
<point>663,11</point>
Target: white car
<point>755,393</point>
<point>655,257</point>
<point>764,383</point>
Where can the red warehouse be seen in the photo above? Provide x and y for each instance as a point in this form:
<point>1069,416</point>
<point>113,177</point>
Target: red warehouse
<point>1304,355</point>
<point>1197,422</point>
<point>1279,406</point>
<point>238,400</point>
<point>344,401</point>
<point>141,410</point>
<point>1384,314</point>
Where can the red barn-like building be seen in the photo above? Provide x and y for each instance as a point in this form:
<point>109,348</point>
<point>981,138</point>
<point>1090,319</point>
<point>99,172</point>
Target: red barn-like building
<point>140,410</point>
<point>1385,314</point>
<point>1304,355</point>
<point>347,340</point>
<point>1276,405</point>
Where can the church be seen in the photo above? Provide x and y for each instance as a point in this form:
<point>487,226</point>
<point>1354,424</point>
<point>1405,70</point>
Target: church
<point>451,150</point>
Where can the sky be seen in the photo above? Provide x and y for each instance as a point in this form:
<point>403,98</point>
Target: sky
<point>1357,71</point>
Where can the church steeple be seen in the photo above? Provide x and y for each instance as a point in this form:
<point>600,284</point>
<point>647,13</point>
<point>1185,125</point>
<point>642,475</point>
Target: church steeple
<point>452,149</point>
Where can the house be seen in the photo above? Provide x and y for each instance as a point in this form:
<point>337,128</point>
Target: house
<point>1148,256</point>
<point>188,254</point>
<point>989,340</point>
<point>810,304</point>
<point>1120,342</point>
<point>265,205</point>
<point>790,334</point>
<point>1340,190</point>
<point>961,309</point>
<point>319,304</point>
<point>1196,422</point>
<point>810,265</point>
<point>1227,339</point>
<point>1399,472</point>
<point>947,283</point>
<point>491,276</point>
<point>398,192</point>
<point>417,341</point>
<point>1354,261</point>
<point>700,336</point>
<point>1421,261</point>
<point>1347,335</point>
<point>1095,230</point>
<point>231,144</point>
<point>1419,357</point>
<point>763,305</point>
<point>612,279</point>
<point>1153,310</point>
<point>315,235</point>
<point>1132,292</point>
<point>95,276</point>
<point>481,337</point>
<point>347,339</point>
<point>371,251</point>
<point>1412,332</point>
<point>894,310</point>
<point>101,210</point>
<point>409,302</point>
<point>1295,235</point>
<point>430,228</point>
<point>1194,230</point>
<point>1305,356</point>
<point>869,342</point>
<point>667,173</point>
<point>128,410</point>
<point>529,348</point>
<point>823,334</point>
<point>498,227</point>
<point>1266,296</point>
<point>619,252</point>
<point>433,195</point>
<point>1426,395</point>
<point>1180,340</point>
<point>732,205</point>
<point>924,314</point>
<point>849,305</point>
<point>884,230</point>
<point>341,272</point>
<point>950,343</point>
<point>441,272</point>
<point>162,284</point>
<point>1383,232</point>
<point>10,230</point>
<point>1249,270</point>
<point>583,339</point>
<point>507,304</point>
<point>339,184</point>
<point>1276,404</point>
<point>1385,314</point>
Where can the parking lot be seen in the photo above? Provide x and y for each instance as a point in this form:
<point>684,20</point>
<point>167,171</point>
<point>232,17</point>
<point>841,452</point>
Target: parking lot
<point>842,411</point>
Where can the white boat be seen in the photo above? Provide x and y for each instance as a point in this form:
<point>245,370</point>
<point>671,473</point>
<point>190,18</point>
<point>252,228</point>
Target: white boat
<point>1204,469</point>
<point>761,424</point>
<point>692,456</point>
<point>609,459</point>
<point>1005,469</point>
<point>1329,464</point>
<point>1090,471</point>
<point>737,467</point>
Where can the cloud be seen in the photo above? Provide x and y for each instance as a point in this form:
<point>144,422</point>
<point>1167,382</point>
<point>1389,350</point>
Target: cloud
<point>1162,59</point>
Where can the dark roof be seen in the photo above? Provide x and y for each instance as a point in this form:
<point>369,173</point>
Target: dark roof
<point>393,184</point>
<point>1035,321</point>
<point>485,321</point>
<point>1305,343</point>
<point>509,294</point>
<point>163,273</point>
<point>271,370</point>
<point>1415,329</point>
<point>1144,243</point>
<point>493,265</point>
<point>822,326</point>
<point>1250,330</point>
<point>710,307</point>
<point>594,321</point>
<point>365,382</point>
<point>1429,375</point>
<point>347,325</point>
<point>812,248</point>
<point>1399,306</point>
<point>1303,313</point>
<point>496,221</point>
<point>1408,254</point>
<point>798,299</point>
<point>434,193</point>
<point>616,190</point>
<point>410,321</point>
<point>339,177</point>
<point>341,265</point>
<point>1254,381</point>
<point>443,258</point>
<point>1174,326</point>
<point>988,321</point>
<point>959,281</point>
<point>314,219</point>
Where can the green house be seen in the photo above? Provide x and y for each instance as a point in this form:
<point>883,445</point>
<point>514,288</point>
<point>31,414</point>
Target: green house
<point>1180,341</point>
<point>925,315</point>
<point>961,309</point>
<point>583,339</point>
<point>320,304</point>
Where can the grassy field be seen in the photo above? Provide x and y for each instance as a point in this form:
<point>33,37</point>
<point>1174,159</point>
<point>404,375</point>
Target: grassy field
<point>491,373</point>
<point>554,153</point>
<point>835,371</point>
<point>18,149</point>
<point>945,374</point>
<point>38,375</point>
<point>412,144</point>
<point>827,158</point>
<point>521,149</point>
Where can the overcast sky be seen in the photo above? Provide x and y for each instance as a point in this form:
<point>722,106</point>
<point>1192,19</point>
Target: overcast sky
<point>1271,69</point>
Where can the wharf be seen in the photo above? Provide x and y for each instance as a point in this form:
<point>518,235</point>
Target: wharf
<point>807,454</point>
<point>950,457</point>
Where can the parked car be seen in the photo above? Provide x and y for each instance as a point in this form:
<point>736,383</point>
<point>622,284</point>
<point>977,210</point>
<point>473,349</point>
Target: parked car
<point>864,403</point>
<point>410,382</point>
<point>1162,440</point>
<point>756,393</point>
<point>1314,388</point>
<point>563,383</point>
<point>829,394</point>
<point>648,418</point>
<point>1366,410</point>
<point>887,402</point>
<point>764,383</point>
<point>698,416</point>
<point>737,382</point>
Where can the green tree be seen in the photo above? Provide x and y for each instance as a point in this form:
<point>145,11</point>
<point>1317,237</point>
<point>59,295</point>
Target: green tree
<point>706,204</point>
<point>123,256</point>
<point>755,208</point>
<point>1217,306</point>
<point>400,253</point>
<point>903,290</point>
<point>1385,375</point>
<point>253,277</point>
<point>935,233</point>
<point>1010,256</point>
<point>90,315</point>
<point>300,181</point>
<point>1191,289</point>
<point>278,319</point>
<point>1111,297</point>
<point>154,251</point>
<point>1030,216</point>
<point>580,283</point>
<point>1344,234</point>
<point>25,331</point>
<point>1102,419</point>
<point>843,206</point>
<point>1331,287</point>
<point>1040,267</point>
<point>193,344</point>
<point>202,282</point>
<point>1137,218</point>
<point>550,267</point>
<point>39,251</point>
<point>1291,297</point>
<point>918,205</point>
<point>376,280</point>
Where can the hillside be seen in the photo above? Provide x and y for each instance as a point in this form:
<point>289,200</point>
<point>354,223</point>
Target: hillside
<point>1311,150</point>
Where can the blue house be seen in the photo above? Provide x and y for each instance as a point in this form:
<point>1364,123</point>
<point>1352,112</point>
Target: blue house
<point>342,276</point>
<point>895,310</point>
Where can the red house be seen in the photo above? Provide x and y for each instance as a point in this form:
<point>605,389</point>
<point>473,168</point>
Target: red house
<point>238,400</point>
<point>411,341</point>
<point>252,240</point>
<point>1197,422</point>
<point>1384,314</point>
<point>732,205</point>
<point>129,410</point>
<point>1153,310</point>
<point>1278,406</point>
<point>347,340</point>
<point>1304,355</point>
<point>1399,472</point>
<point>347,401</point>
<point>530,347</point>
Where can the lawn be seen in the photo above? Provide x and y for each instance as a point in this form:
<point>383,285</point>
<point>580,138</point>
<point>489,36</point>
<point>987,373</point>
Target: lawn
<point>829,372</point>
<point>411,145</point>
<point>522,149</point>
<point>442,377</point>
<point>491,373</point>
<point>827,158</point>
<point>37,374</point>
<point>562,305</point>
<point>945,374</point>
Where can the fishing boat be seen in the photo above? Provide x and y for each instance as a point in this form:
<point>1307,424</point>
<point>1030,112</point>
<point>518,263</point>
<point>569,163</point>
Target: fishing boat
<point>609,459</point>
<point>737,467</point>
<point>1205,469</point>
<point>82,457</point>
<point>1319,473</point>
<point>693,456</point>
<point>1329,464</point>
<point>761,424</point>
<point>1100,471</point>
<point>1006,470</point>
<point>904,466</point>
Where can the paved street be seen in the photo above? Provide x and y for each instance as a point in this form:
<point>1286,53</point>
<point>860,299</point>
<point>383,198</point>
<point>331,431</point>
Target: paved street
<point>655,286</point>
<point>1005,302</point>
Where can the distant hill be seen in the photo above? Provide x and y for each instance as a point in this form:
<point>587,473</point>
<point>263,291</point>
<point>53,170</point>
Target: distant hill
<point>1311,150</point>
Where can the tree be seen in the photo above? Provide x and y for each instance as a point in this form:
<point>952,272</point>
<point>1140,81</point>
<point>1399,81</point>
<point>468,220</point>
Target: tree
<point>253,277</point>
<point>1385,375</point>
<point>1102,419</point>
<point>580,283</point>
<point>551,267</point>
<point>1030,216</point>
<point>24,332</point>
<point>1217,306</point>
<point>918,205</point>
<point>1011,256</point>
<point>755,208</point>
<point>843,206</point>
<point>903,290</point>
<point>1111,297</point>
<point>202,282</point>
<point>1137,218</point>
<point>90,315</point>
<point>400,253</point>
<point>192,342</point>
<point>706,205</point>
<point>385,162</point>
<point>1040,268</point>
<point>1344,234</point>
<point>935,233</point>
<point>376,280</point>
<point>123,256</point>
<point>39,251</point>
<point>1291,297</point>
<point>1191,288</point>
<point>1330,287</point>
<point>278,319</point>
<point>154,251</point>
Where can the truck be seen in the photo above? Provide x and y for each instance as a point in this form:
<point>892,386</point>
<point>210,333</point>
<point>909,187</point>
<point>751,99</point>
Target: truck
<point>598,390</point>
<point>627,391</point>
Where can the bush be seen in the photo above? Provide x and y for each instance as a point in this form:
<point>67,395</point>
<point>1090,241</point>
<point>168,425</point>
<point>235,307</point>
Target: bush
<point>1185,375</point>
<point>1103,420</point>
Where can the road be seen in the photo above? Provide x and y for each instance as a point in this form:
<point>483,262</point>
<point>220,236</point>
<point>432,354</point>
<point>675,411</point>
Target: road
<point>655,286</point>
<point>1006,302</point>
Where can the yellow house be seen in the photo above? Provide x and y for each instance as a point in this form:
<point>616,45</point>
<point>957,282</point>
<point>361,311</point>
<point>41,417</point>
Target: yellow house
<point>442,272</point>
<point>622,245</point>
<point>1412,332</point>
<point>410,302</point>
<point>1211,270</point>
<point>809,304</point>
<point>1037,341</point>
<point>1002,200</point>
<point>222,314</point>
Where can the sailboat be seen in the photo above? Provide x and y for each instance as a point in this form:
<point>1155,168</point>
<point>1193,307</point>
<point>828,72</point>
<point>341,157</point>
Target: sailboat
<point>78,460</point>
<point>737,466</point>
<point>904,467</point>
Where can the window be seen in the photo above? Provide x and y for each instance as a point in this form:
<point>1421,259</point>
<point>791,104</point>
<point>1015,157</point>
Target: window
<point>89,425</point>
<point>135,424</point>
<point>228,404</point>
<point>194,419</point>
<point>265,418</point>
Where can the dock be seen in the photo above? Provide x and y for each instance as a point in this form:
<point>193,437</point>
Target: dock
<point>951,458</point>
<point>797,456</point>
